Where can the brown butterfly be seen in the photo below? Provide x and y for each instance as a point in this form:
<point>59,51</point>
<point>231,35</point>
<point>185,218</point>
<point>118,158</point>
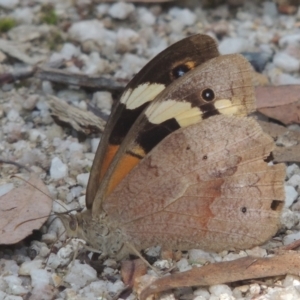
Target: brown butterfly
<point>179,164</point>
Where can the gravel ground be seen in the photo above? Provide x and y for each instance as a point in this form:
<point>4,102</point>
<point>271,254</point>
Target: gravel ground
<point>115,40</point>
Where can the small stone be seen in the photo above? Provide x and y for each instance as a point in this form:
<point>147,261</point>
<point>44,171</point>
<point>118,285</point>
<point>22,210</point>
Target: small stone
<point>270,9</point>
<point>57,280</point>
<point>98,287</point>
<point>69,51</point>
<point>257,252</point>
<point>91,30</point>
<point>115,287</point>
<point>290,238</point>
<point>81,200</point>
<point>94,144</point>
<point>240,290</point>
<point>96,64</point>
<point>286,62</point>
<point>30,102</point>
<point>162,264</point>
<point>49,238</point>
<point>219,289</point>
<point>268,21</point>
<point>258,59</point>
<point>80,274</point>
<point>66,254</point>
<point>290,195</point>
<point>291,170</point>
<point>28,266</point>
<point>15,285</point>
<point>23,15</point>
<point>76,191</point>
<point>47,87</point>
<point>126,39</point>
<point>284,79</point>
<point>289,293</point>
<point>197,256</point>
<point>288,39</point>
<point>291,280</point>
<point>74,96</point>
<point>202,292</point>
<point>121,10</point>
<point>294,181</point>
<point>254,289</point>
<point>288,219</point>
<point>9,4</point>
<point>58,169</point>
<point>185,16</point>
<point>103,101</point>
<point>75,147</point>
<point>183,265</point>
<point>83,179</point>
<point>40,278</point>
<point>233,256</point>
<point>233,45</point>
<point>102,9</point>
<point>9,266</point>
<point>176,26</point>
<point>131,64</point>
<point>13,115</point>
<point>153,251</point>
<point>36,135</point>
<point>3,295</point>
<point>146,17</point>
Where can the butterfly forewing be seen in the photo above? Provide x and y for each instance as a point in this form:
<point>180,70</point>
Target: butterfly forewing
<point>221,86</point>
<point>165,68</point>
<point>204,186</point>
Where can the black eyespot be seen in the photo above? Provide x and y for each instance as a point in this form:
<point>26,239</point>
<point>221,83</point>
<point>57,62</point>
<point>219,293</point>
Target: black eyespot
<point>188,148</point>
<point>204,157</point>
<point>208,94</point>
<point>244,210</point>
<point>180,71</point>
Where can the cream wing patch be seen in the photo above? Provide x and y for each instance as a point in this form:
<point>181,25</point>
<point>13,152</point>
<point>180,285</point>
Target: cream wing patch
<point>225,107</point>
<point>159,112</point>
<point>142,94</point>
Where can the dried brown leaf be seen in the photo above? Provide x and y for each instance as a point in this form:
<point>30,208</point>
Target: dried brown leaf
<point>279,102</point>
<point>131,269</point>
<point>287,142</point>
<point>23,209</point>
<point>287,262</point>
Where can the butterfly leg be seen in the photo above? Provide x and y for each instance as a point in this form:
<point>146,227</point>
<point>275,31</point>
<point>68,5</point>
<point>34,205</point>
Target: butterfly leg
<point>136,252</point>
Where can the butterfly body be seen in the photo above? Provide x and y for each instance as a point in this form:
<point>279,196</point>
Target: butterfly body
<point>188,171</point>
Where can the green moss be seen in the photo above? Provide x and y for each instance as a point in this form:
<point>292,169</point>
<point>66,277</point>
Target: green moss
<point>6,24</point>
<point>49,15</point>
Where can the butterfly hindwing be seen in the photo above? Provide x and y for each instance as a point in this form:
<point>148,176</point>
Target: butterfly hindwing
<point>204,186</point>
<point>165,68</point>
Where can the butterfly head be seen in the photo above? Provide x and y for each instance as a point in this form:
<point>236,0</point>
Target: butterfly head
<point>71,225</point>
<point>95,232</point>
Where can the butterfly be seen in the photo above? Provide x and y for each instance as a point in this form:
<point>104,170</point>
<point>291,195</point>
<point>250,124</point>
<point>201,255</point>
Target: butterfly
<point>179,164</point>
